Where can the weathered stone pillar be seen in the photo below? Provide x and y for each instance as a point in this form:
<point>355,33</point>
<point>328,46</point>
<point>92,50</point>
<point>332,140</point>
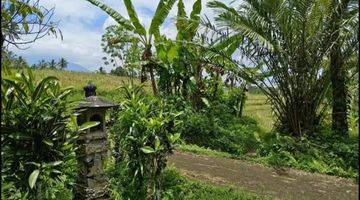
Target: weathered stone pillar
<point>92,148</point>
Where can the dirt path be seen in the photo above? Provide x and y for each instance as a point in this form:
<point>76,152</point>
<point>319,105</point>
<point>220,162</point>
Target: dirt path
<point>292,184</point>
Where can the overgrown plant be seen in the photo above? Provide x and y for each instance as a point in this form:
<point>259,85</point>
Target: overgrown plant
<point>36,143</point>
<point>144,133</point>
<point>140,33</point>
<point>287,42</point>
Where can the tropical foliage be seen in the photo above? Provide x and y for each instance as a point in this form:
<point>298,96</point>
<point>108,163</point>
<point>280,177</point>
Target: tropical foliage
<point>299,56</point>
<point>144,136</point>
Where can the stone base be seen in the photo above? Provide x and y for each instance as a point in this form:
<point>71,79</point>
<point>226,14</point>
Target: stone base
<point>98,191</point>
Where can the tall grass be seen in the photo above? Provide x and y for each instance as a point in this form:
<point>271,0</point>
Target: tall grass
<point>255,105</point>
<point>106,84</point>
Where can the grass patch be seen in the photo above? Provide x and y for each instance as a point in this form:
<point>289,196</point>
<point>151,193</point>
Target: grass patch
<point>192,148</point>
<point>257,107</point>
<point>106,84</point>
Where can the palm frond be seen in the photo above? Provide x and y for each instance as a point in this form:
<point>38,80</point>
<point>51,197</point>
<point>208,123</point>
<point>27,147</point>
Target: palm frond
<point>112,13</point>
<point>194,21</point>
<point>139,29</point>
<point>161,13</point>
<point>181,20</point>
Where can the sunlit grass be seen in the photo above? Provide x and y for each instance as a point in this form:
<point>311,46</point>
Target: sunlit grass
<point>258,108</point>
<point>80,79</point>
<point>256,105</point>
<point>106,84</point>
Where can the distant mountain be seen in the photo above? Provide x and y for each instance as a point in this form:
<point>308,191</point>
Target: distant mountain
<point>75,67</point>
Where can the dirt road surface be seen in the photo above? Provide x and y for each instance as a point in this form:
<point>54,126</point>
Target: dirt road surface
<point>289,184</point>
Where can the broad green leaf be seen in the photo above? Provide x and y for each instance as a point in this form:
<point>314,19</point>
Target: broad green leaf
<point>134,18</point>
<point>181,20</point>
<point>48,142</point>
<point>147,149</point>
<point>34,163</point>
<point>161,13</point>
<point>53,164</point>
<point>40,88</point>
<point>115,15</point>
<point>157,143</point>
<point>20,136</point>
<point>172,53</point>
<point>33,177</point>
<point>88,125</point>
<point>194,19</point>
<point>206,102</point>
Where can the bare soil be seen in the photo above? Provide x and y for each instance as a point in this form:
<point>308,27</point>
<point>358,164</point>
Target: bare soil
<point>280,184</point>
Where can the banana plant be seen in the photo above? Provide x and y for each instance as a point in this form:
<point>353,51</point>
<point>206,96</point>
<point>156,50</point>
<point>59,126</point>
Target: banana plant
<point>145,36</point>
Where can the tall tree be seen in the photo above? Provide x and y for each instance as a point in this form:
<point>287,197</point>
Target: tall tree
<point>101,70</point>
<point>123,51</point>
<point>62,64</point>
<point>42,64</point>
<point>25,21</point>
<point>343,13</point>
<point>145,36</point>
<point>52,64</point>
<point>287,41</point>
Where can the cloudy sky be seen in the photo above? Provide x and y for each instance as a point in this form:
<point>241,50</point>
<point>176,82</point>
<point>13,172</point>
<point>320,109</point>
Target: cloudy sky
<point>83,24</point>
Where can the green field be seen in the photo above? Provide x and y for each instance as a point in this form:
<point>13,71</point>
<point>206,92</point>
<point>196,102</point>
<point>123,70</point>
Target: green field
<point>255,105</point>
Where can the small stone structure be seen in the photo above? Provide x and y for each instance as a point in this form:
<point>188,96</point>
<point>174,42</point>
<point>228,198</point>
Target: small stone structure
<point>92,147</point>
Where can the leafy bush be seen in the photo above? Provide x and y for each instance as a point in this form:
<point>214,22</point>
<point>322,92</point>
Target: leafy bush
<point>38,152</point>
<point>143,134</point>
<point>324,153</point>
<point>237,136</point>
<point>236,101</point>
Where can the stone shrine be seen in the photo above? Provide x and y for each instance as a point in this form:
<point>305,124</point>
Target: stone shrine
<point>92,147</point>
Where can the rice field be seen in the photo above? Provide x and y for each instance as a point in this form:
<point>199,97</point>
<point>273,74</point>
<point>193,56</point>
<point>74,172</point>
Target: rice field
<point>255,105</point>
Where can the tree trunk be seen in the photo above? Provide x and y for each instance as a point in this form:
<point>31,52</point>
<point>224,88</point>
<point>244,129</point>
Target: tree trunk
<point>338,74</point>
<point>242,102</point>
<point>199,87</point>
<point>143,77</point>
<point>2,41</point>
<point>152,77</point>
<point>147,57</point>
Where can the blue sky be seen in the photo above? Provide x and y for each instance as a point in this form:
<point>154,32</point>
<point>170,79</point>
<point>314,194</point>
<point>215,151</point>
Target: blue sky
<point>83,24</point>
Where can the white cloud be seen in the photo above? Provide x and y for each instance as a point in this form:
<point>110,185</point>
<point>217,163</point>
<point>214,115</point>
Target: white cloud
<point>79,23</point>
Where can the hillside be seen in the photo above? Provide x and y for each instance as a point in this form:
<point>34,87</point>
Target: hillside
<point>106,84</point>
<point>75,67</point>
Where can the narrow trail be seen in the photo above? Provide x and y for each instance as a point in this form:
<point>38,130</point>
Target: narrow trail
<point>291,184</point>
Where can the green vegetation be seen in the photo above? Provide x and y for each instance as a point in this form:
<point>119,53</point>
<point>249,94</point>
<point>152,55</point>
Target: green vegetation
<point>38,138</point>
<point>192,148</point>
<point>141,148</point>
<point>197,94</point>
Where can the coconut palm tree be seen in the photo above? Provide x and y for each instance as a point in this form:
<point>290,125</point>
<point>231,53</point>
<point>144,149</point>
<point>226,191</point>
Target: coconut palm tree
<point>62,63</point>
<point>143,35</point>
<point>42,64</point>
<point>52,64</point>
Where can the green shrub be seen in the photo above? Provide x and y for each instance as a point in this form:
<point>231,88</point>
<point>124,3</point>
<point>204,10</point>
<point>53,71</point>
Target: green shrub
<point>323,153</point>
<point>237,136</point>
<point>236,101</point>
<point>143,134</point>
<point>36,142</point>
